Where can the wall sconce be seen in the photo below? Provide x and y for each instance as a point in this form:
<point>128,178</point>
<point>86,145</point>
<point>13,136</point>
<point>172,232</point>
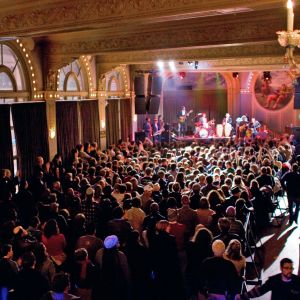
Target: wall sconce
<point>102,124</point>
<point>52,132</point>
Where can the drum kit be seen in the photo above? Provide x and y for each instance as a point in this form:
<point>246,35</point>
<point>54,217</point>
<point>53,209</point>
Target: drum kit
<point>210,129</point>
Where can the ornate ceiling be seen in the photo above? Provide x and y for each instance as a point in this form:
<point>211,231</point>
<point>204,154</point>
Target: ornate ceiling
<point>141,31</point>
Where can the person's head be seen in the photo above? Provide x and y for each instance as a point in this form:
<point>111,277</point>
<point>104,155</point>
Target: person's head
<point>286,266</point>
<point>162,226</point>
<point>28,260</point>
<point>202,236</point>
<point>7,251</point>
<point>224,224</point>
<point>61,283</point>
<point>51,228</point>
<point>218,248</point>
<point>234,250</point>
<point>80,255</point>
<point>111,242</point>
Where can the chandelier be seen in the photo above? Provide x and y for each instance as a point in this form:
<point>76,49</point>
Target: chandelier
<point>290,39</point>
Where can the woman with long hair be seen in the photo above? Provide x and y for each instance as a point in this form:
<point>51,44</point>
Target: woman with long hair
<point>233,253</point>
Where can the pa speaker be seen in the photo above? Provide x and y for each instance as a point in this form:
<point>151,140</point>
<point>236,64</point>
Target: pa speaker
<point>140,105</point>
<point>295,131</point>
<point>139,86</point>
<point>139,136</point>
<point>153,105</point>
<point>155,82</point>
<point>297,100</point>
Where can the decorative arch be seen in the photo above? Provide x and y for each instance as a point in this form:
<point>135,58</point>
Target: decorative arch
<point>5,70</point>
<point>69,87</point>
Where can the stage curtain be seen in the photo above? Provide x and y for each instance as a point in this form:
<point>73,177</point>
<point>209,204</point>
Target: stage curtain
<point>31,130</point>
<point>126,119</point>
<point>90,122</point>
<point>67,127</point>
<point>112,121</point>
<point>212,102</point>
<point>6,157</point>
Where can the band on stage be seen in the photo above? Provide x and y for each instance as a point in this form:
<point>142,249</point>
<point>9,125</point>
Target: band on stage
<point>243,128</point>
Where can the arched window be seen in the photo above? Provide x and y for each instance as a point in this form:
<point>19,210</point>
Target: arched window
<point>113,85</point>
<point>12,79</point>
<point>71,81</point>
<point>13,86</point>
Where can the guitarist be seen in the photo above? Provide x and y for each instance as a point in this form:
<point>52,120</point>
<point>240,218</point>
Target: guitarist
<point>182,116</point>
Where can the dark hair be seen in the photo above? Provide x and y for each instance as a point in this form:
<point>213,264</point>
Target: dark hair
<point>60,282</point>
<point>285,260</point>
<point>5,249</point>
<point>51,228</point>
<point>40,253</point>
<point>28,260</point>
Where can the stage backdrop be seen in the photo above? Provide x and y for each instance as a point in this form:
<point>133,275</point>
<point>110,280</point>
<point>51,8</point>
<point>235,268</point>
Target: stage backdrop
<point>200,92</point>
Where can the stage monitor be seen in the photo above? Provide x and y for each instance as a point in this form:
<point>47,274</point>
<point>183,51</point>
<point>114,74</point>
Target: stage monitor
<point>140,105</point>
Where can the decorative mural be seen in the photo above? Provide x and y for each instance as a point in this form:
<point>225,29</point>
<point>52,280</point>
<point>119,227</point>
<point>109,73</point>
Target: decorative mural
<point>274,90</point>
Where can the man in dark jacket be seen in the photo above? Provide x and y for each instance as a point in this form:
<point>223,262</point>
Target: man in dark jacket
<point>284,285</point>
<point>290,182</point>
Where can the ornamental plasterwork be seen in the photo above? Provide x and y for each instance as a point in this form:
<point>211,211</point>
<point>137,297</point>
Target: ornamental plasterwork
<point>192,37</point>
<point>255,50</point>
<point>78,12</point>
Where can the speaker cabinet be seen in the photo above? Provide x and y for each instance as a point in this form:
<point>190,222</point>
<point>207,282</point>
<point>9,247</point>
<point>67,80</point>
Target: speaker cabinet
<point>139,136</point>
<point>140,105</point>
<point>153,105</point>
<point>139,86</point>
<point>154,85</point>
<point>297,100</point>
<point>293,130</point>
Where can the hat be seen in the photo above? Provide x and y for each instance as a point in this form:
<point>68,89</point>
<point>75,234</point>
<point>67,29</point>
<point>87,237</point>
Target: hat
<point>148,188</point>
<point>89,191</point>
<point>111,241</point>
<point>172,214</point>
<point>235,190</point>
<point>230,211</point>
<point>218,247</point>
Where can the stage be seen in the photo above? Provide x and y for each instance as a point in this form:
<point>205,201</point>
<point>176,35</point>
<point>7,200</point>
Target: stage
<point>189,139</point>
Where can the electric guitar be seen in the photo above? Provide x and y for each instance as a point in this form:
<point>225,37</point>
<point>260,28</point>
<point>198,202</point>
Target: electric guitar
<point>182,119</point>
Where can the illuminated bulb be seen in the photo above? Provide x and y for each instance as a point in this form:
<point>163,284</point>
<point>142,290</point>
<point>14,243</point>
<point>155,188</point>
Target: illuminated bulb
<point>51,95</point>
<point>27,55</point>
<point>31,68</point>
<point>18,41</point>
<point>33,81</point>
<point>24,49</point>
<point>32,74</point>
<point>34,89</point>
<point>21,45</point>
<point>29,61</point>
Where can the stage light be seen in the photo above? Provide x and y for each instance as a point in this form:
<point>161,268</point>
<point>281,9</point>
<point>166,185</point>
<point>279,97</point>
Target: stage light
<point>235,74</point>
<point>160,64</point>
<point>267,75</point>
<point>181,75</point>
<point>172,65</point>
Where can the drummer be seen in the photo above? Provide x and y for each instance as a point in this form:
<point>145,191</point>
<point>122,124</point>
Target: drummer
<point>203,121</point>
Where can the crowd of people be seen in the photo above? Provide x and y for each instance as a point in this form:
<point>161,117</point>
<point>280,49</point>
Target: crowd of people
<point>141,221</point>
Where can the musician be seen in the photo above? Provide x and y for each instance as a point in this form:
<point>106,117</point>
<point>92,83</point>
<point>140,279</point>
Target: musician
<point>181,116</point>
<point>203,121</point>
<point>254,125</point>
<point>227,119</point>
<point>147,128</point>
<point>160,123</point>
<point>155,128</point>
<point>242,126</point>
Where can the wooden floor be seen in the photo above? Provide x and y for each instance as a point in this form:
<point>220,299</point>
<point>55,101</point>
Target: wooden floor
<point>278,242</point>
